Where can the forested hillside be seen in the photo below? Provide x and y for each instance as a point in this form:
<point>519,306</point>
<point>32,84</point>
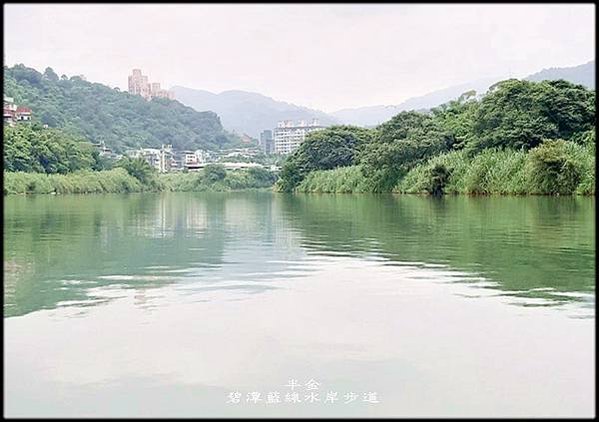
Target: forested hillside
<point>100,113</point>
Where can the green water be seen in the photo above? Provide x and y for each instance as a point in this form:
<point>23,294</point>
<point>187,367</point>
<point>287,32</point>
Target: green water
<point>165,304</point>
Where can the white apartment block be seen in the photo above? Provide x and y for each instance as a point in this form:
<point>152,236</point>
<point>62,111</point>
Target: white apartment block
<point>288,135</point>
<point>159,158</point>
<point>193,160</point>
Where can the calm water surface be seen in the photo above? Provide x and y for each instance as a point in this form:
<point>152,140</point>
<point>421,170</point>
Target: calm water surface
<point>169,304</point>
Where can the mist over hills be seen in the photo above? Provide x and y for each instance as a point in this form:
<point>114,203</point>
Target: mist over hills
<point>374,115</point>
<point>370,116</point>
<point>583,74</point>
<point>248,112</point>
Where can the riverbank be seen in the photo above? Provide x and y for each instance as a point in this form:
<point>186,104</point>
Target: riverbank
<point>109,181</point>
<point>120,181</point>
<point>519,138</point>
<point>559,168</point>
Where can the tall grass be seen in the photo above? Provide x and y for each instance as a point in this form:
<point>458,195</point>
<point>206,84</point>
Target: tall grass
<point>499,172</point>
<point>584,157</point>
<point>553,167</point>
<point>110,181</point>
<point>339,180</point>
<point>120,181</point>
<point>418,179</point>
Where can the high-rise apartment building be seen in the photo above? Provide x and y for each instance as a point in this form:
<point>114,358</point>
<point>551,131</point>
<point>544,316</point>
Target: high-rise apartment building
<point>266,141</point>
<point>139,85</point>
<point>288,135</point>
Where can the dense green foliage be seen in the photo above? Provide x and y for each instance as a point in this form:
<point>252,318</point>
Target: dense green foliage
<point>140,169</point>
<point>214,178</point>
<point>100,113</point>
<point>401,143</point>
<point>38,160</point>
<point>30,148</point>
<point>554,167</point>
<point>337,146</point>
<point>520,138</point>
<point>520,114</point>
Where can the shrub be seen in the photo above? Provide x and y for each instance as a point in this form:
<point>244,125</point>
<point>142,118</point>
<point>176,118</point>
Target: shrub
<point>552,168</point>
<point>438,176</point>
<point>420,178</point>
<point>214,173</point>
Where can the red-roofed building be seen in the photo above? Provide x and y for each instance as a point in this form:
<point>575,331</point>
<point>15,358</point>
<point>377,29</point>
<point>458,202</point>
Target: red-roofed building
<point>13,113</point>
<point>23,113</point>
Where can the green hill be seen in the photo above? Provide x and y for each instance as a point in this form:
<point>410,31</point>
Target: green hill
<point>100,113</point>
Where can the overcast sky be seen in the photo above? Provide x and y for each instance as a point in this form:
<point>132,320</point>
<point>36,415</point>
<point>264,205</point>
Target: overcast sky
<point>321,56</point>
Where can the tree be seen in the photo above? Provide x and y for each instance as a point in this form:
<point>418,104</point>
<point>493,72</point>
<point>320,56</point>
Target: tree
<point>337,146</point>
<point>50,74</point>
<point>31,148</point>
<point>457,119</point>
<point>290,176</point>
<point>138,168</point>
<point>400,144</point>
<point>438,178</point>
<point>214,173</point>
<point>521,114</point>
<point>261,176</point>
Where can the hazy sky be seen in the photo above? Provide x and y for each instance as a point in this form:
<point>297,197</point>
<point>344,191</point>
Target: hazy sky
<point>321,56</point>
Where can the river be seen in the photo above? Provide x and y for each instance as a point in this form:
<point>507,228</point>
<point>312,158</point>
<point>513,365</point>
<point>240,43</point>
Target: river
<point>261,304</point>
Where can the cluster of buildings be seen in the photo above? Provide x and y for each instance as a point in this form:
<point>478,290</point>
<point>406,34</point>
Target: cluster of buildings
<point>139,85</point>
<point>105,151</point>
<point>13,114</point>
<point>284,139</point>
<point>287,136</point>
<point>165,159</point>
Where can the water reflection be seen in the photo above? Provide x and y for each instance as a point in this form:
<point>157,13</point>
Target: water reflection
<point>74,250</point>
<point>534,247</point>
<point>159,305</point>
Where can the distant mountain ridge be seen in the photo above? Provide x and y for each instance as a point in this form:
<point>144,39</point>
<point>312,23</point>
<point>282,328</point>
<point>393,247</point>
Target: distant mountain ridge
<point>370,116</point>
<point>247,112</point>
<point>250,112</point>
<point>374,115</point>
<point>583,74</point>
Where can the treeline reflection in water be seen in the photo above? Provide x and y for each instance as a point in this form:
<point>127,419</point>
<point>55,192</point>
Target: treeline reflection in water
<point>84,250</point>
